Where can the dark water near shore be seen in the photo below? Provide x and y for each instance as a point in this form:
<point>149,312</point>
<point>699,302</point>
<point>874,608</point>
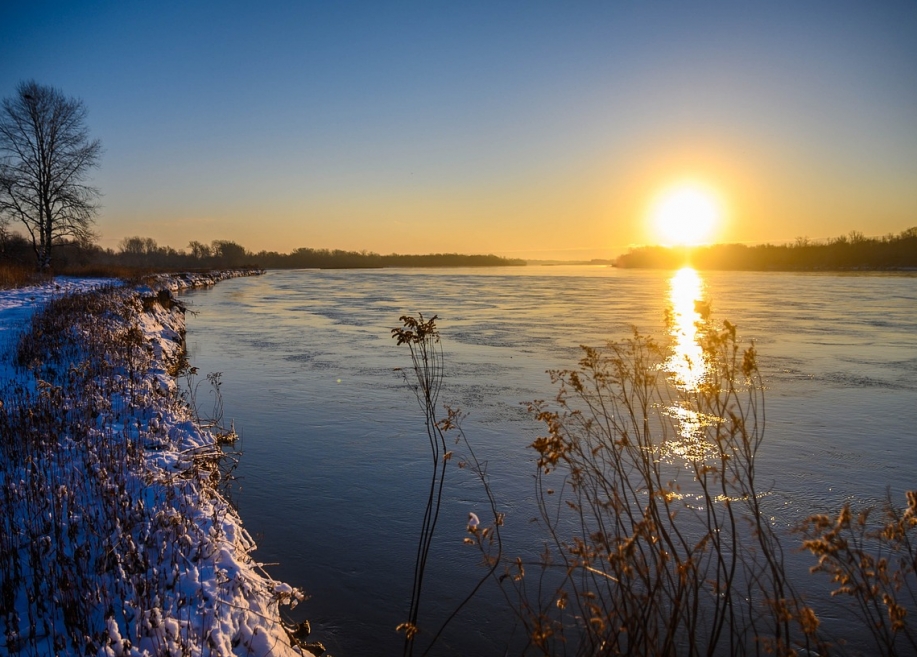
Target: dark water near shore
<point>335,462</point>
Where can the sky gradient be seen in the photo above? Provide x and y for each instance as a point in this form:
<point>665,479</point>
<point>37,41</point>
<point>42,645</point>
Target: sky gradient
<point>529,129</point>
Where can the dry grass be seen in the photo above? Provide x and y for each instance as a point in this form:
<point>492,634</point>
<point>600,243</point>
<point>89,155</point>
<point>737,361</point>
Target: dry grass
<point>103,271</point>
<point>872,564</point>
<point>13,275</point>
<point>655,538</point>
<point>99,550</point>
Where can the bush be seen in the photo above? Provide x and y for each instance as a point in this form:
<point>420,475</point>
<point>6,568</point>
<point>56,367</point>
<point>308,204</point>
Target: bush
<point>656,542</point>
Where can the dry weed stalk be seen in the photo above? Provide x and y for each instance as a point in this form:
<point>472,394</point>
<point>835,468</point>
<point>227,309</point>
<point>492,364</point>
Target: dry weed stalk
<point>656,540</point>
<point>422,338</point>
<point>13,275</point>
<point>874,566</point>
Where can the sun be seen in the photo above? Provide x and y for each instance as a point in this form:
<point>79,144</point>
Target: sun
<point>685,215</point>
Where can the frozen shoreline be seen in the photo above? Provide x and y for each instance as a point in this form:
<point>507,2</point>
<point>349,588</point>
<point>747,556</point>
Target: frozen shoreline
<point>172,571</point>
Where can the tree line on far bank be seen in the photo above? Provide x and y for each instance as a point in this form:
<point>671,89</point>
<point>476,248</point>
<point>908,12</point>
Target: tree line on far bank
<point>144,253</point>
<point>847,252</point>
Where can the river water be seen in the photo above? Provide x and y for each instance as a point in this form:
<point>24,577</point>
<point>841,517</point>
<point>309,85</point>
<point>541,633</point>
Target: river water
<point>335,468</point>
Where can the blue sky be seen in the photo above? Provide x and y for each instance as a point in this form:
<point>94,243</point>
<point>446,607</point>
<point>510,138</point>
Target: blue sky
<point>533,129</point>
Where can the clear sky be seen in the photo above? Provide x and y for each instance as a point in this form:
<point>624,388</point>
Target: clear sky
<point>526,129</point>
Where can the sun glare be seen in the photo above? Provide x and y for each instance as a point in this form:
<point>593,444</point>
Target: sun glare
<point>686,215</point>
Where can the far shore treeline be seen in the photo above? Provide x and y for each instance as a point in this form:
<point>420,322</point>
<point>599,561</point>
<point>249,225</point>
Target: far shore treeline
<point>851,252</point>
<point>846,253</point>
<point>146,253</point>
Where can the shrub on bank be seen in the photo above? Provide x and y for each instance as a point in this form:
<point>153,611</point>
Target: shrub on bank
<point>115,539</point>
<point>656,541</point>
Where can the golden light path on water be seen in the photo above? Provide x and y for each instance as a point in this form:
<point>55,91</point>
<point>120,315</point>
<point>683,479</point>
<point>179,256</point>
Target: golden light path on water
<point>687,360</point>
<point>686,365</point>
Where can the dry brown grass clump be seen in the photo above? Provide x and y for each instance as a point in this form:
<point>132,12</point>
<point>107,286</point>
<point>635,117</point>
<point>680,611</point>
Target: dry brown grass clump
<point>13,275</point>
<point>872,563</point>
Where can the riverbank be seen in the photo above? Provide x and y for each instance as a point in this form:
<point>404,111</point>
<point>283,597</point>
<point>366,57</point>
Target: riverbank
<point>116,539</point>
<point>853,253</point>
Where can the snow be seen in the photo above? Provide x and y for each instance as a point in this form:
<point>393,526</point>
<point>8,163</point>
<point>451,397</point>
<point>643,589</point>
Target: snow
<point>17,305</point>
<point>173,571</point>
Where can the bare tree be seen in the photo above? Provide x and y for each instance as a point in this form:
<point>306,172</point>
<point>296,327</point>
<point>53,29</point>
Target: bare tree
<point>138,246</point>
<point>228,252</point>
<point>45,156</point>
<point>199,251</point>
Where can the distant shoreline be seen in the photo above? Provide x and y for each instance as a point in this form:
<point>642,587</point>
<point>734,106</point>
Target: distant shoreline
<point>848,253</point>
<point>843,254</point>
<point>800,270</point>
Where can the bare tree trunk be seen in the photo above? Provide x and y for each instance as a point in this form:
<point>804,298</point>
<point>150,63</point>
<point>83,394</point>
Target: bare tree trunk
<point>45,154</point>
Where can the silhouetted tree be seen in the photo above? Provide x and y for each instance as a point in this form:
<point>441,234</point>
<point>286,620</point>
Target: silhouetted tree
<point>228,252</point>
<point>13,247</point>
<point>199,251</point>
<point>139,250</point>
<point>138,246</point>
<point>45,156</point>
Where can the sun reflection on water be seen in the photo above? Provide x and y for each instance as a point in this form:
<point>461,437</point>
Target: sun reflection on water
<point>686,365</point>
<point>686,298</point>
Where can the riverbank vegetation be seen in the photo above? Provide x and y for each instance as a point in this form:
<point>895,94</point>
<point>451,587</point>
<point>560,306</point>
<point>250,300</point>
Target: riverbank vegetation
<point>144,255</point>
<point>848,252</point>
<point>114,537</point>
<point>657,537</point>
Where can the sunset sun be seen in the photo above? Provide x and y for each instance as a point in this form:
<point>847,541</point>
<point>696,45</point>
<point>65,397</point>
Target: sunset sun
<point>685,215</point>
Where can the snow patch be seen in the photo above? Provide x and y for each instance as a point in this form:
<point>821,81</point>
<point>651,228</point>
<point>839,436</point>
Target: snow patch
<point>178,572</point>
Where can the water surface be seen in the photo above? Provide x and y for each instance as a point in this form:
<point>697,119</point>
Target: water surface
<point>335,463</point>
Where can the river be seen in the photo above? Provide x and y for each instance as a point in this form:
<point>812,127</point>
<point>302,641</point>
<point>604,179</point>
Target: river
<point>334,464</point>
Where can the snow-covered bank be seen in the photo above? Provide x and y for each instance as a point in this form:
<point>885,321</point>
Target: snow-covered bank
<point>17,305</point>
<point>114,537</point>
<point>189,280</point>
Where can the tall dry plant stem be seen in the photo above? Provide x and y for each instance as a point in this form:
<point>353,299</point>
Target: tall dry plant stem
<point>422,340</point>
